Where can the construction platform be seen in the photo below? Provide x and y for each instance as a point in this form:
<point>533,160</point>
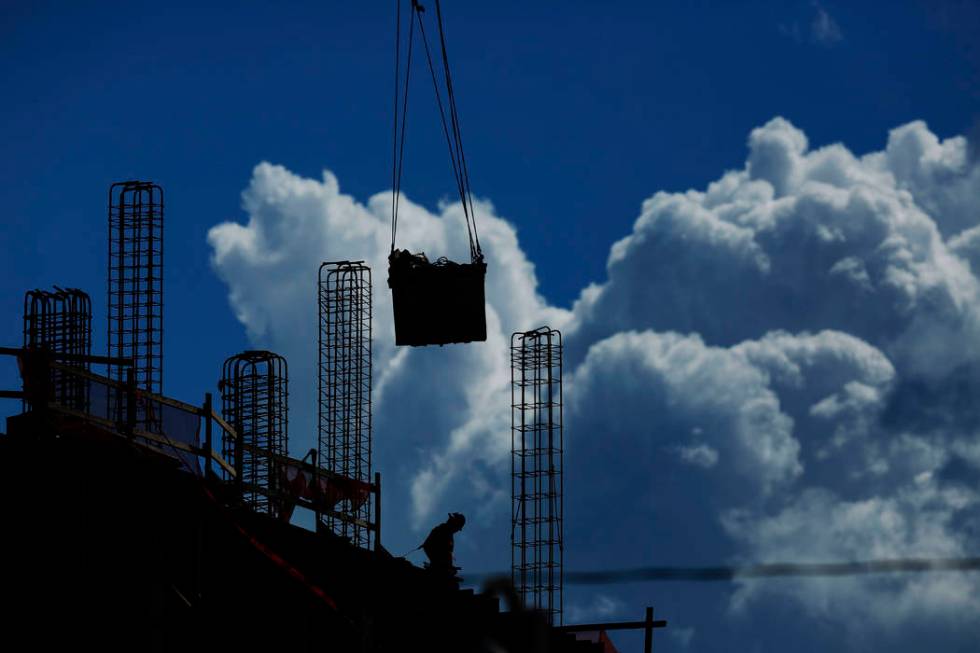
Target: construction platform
<point>116,544</point>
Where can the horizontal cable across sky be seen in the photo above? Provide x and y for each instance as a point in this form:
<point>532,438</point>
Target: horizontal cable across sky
<point>771,570</point>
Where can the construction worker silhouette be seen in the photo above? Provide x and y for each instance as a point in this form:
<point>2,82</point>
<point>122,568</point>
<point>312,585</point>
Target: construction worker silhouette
<point>438,546</point>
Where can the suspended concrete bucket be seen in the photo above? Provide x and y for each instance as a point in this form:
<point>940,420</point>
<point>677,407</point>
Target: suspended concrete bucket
<point>437,303</point>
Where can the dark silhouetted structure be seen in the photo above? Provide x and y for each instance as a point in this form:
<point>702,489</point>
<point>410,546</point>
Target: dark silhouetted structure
<point>255,401</point>
<point>135,293</point>
<point>344,389</point>
<point>536,480</point>
<point>597,632</point>
<point>436,303</point>
<point>60,322</point>
<point>115,536</point>
<point>441,302</point>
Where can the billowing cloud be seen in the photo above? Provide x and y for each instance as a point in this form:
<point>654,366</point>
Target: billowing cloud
<point>915,519</point>
<point>840,293</point>
<point>780,367</point>
<point>674,391</point>
<point>270,265</point>
<point>799,240</point>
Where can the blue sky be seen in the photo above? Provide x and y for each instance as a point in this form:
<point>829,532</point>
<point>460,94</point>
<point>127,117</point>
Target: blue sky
<point>573,115</point>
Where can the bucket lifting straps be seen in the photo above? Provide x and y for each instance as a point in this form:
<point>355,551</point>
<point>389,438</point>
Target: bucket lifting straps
<point>437,302</point>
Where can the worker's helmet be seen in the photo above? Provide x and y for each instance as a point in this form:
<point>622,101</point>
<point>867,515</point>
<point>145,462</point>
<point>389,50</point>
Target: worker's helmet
<point>457,520</point>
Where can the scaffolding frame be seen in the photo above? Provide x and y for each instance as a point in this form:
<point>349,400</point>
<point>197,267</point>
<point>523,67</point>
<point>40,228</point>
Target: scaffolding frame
<point>344,388</point>
<point>135,291</point>
<point>60,322</point>
<point>254,390</point>
<point>537,481</point>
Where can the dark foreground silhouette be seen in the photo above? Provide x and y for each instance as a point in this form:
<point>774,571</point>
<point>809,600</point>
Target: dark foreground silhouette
<point>439,546</point>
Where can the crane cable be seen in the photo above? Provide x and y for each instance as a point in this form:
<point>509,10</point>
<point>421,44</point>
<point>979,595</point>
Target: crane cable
<point>398,142</point>
<point>467,195</point>
<point>454,141</point>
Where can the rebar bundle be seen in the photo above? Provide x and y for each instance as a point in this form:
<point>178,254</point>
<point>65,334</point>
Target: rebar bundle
<point>135,293</point>
<point>537,484</point>
<point>254,400</point>
<point>344,387</point>
<point>60,322</point>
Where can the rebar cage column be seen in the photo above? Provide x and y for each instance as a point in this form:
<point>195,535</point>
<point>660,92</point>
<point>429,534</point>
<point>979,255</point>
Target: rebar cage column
<point>344,387</point>
<point>255,401</point>
<point>135,293</point>
<point>60,322</point>
<point>537,485</point>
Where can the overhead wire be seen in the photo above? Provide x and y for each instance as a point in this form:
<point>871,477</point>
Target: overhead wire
<point>767,570</point>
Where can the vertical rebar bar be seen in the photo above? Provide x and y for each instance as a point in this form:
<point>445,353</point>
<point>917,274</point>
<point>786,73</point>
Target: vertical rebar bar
<point>344,387</point>
<point>60,322</point>
<point>537,484</point>
<point>255,401</point>
<point>135,291</point>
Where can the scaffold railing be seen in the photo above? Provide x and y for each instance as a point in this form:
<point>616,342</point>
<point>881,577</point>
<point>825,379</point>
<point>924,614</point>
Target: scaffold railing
<point>189,434</point>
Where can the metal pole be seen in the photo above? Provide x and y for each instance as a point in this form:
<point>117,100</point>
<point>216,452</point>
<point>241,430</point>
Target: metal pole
<point>130,400</point>
<point>648,631</point>
<point>43,380</point>
<point>208,411</point>
<point>377,511</point>
<point>239,431</point>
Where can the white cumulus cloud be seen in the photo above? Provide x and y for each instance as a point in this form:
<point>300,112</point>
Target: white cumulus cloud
<point>782,366</point>
<point>444,402</point>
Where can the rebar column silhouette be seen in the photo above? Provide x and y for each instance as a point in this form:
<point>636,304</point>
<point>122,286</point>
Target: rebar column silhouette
<point>60,322</point>
<point>135,293</point>
<point>255,401</point>
<point>344,387</point>
<point>537,484</point>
